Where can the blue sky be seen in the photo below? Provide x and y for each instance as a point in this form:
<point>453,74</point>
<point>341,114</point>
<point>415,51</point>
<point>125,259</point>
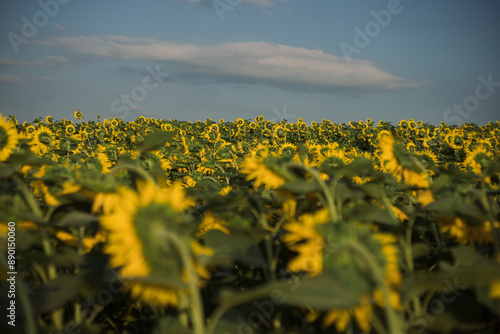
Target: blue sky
<point>191,60</point>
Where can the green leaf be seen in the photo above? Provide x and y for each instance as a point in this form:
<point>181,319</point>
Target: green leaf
<point>361,211</point>
<point>469,270</point>
<point>234,247</point>
<point>76,218</point>
<point>56,293</point>
<point>420,249</point>
<point>301,187</point>
<point>6,171</point>
<point>155,140</point>
<point>327,291</point>
<point>324,292</point>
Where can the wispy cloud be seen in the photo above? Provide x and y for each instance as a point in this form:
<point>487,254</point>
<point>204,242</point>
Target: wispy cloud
<point>283,66</point>
<point>58,26</point>
<point>45,62</point>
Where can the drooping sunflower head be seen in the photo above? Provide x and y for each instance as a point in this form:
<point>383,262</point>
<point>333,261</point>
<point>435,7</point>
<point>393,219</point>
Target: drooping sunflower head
<point>137,226</point>
<point>265,170</point>
<point>478,159</point>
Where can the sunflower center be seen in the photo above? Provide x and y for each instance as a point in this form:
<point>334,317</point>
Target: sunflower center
<point>44,138</point>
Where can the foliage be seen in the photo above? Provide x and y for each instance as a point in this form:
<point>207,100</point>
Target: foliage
<point>165,226</point>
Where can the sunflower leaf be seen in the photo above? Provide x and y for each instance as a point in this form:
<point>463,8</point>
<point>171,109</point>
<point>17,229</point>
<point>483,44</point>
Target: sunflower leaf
<point>154,140</point>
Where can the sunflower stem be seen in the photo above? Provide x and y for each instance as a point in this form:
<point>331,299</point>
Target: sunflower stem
<point>393,322</point>
<point>196,305</point>
<point>491,217</point>
<point>409,258</point>
<point>57,315</point>
<point>328,194</point>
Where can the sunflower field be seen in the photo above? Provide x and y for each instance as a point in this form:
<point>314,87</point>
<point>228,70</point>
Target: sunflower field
<point>252,226</point>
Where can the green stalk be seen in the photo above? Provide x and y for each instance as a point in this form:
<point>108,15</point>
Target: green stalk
<point>196,305</point>
<point>77,307</point>
<point>409,258</point>
<point>328,194</point>
<point>57,315</point>
<point>378,273</point>
<point>491,217</point>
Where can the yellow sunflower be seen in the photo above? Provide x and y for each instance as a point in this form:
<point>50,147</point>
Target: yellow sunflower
<point>404,166</point>
<point>468,233</point>
<point>303,238</point>
<point>9,138</point>
<point>42,140</point>
<point>256,168</point>
<point>212,223</point>
<point>78,114</point>
<point>385,245</point>
<point>135,241</point>
<point>494,292</point>
<point>477,159</point>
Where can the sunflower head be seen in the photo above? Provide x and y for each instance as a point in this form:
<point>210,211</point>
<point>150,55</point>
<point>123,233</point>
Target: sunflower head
<point>138,224</point>
<point>9,138</point>
<point>78,114</point>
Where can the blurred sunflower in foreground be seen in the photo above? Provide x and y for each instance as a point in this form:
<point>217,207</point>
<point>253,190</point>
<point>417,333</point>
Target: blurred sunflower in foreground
<point>9,138</point>
<point>137,225</point>
<point>383,247</point>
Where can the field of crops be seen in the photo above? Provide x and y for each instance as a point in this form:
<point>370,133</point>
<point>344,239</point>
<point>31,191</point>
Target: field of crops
<point>251,226</point>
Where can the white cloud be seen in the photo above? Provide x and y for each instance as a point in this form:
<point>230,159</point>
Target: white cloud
<point>278,65</point>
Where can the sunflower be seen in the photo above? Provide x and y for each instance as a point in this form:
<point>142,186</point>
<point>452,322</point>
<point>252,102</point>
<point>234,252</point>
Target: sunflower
<point>341,317</point>
<point>401,164</point>
<point>477,159</point>
<point>70,129</point>
<point>9,138</point>
<point>303,238</point>
<point>166,127</point>
<point>87,242</point>
<point>78,114</point>
<point>42,140</point>
<point>494,292</point>
<point>260,168</point>
<point>383,246</point>
<point>136,241</point>
<point>469,233</point>
<point>211,223</point>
